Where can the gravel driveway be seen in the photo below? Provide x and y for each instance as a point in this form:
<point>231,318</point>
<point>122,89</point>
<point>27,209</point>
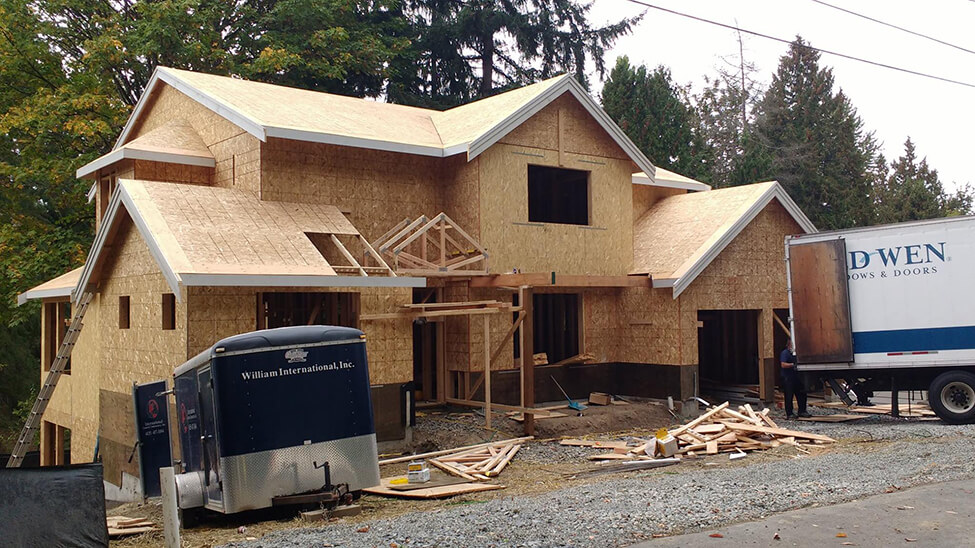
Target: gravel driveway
<point>875,455</point>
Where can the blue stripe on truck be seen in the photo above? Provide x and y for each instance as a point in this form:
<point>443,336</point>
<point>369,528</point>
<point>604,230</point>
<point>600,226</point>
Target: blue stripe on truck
<point>914,340</point>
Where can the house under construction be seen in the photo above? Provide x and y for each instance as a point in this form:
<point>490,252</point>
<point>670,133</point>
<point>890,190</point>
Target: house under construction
<point>517,225</point>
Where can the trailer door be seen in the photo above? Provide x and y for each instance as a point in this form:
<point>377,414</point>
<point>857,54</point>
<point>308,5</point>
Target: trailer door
<point>820,299</point>
<point>211,453</point>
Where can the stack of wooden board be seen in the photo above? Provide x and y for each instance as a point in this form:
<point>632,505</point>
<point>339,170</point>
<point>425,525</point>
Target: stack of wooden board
<point>718,430</point>
<point>479,463</point>
<point>723,430</point>
<point>120,526</point>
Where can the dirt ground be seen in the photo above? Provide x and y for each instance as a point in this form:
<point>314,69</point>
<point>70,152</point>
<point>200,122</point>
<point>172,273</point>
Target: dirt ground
<point>543,466</point>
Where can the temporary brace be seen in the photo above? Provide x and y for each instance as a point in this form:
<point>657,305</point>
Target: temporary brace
<point>50,383</point>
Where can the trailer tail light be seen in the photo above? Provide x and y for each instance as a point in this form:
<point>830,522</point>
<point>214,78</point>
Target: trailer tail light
<point>912,353</point>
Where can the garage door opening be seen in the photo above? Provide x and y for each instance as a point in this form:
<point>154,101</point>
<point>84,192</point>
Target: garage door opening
<point>728,353</point>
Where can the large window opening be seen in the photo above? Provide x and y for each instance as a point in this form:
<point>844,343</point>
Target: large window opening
<point>557,195</point>
<point>728,353</point>
<point>287,309</point>
<point>556,325</point>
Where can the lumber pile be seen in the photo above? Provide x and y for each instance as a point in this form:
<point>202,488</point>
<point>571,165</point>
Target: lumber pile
<point>724,430</point>
<point>719,430</point>
<point>122,526</point>
<point>479,464</point>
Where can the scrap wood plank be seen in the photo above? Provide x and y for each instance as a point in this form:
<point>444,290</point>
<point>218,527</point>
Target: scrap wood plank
<point>455,450</point>
<point>451,470</point>
<point>432,492</point>
<point>777,431</point>
<point>504,462</point>
<point>839,417</point>
<point>117,532</point>
<point>713,411</point>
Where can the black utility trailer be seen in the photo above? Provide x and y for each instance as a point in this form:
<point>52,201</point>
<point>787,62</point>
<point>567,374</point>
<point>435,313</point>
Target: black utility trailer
<point>280,416</point>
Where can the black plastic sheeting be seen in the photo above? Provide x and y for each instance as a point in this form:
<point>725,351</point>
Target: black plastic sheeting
<point>53,506</point>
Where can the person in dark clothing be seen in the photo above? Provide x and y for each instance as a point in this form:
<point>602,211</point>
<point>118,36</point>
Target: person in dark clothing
<point>791,383</point>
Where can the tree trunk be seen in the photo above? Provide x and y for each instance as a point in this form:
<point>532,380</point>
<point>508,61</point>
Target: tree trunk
<point>487,64</point>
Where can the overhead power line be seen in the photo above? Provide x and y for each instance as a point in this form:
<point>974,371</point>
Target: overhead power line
<point>886,24</point>
<point>820,50</point>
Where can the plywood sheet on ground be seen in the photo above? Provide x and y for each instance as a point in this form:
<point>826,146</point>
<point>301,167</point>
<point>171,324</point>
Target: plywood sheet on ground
<point>432,492</point>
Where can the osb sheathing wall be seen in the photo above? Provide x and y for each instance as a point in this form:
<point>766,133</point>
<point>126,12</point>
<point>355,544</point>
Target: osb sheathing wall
<point>376,189</point>
<point>74,404</point>
<point>749,274</point>
<point>218,312</point>
<point>562,134</point>
<point>146,170</point>
<point>644,196</point>
<point>237,153</point>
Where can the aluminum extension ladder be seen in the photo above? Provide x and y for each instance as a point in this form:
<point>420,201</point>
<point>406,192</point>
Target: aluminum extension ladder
<point>50,383</point>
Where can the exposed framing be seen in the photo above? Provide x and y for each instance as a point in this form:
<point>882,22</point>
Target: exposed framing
<point>432,247</point>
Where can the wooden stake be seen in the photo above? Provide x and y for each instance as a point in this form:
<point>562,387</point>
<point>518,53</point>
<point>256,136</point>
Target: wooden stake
<point>487,371</point>
<point>167,480</point>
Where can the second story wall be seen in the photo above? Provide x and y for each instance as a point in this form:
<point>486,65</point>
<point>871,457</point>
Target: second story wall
<point>562,135</point>
<point>237,153</point>
<point>375,189</point>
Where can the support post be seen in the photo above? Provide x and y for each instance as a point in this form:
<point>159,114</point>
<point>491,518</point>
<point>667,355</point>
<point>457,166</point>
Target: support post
<point>167,480</point>
<point>894,407</point>
<point>487,371</point>
<point>527,334</point>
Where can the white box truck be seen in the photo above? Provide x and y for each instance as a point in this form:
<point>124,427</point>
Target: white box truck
<point>889,307</point>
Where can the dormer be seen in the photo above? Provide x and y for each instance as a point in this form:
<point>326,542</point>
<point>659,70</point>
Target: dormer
<point>172,152</point>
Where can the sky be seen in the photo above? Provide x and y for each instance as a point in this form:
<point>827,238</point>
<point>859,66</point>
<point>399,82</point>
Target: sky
<point>938,116</point>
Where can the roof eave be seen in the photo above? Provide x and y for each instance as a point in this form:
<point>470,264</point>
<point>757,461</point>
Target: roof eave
<point>119,200</point>
<point>37,294</point>
<point>141,154</point>
<point>774,192</point>
<point>292,280</point>
<point>358,142</point>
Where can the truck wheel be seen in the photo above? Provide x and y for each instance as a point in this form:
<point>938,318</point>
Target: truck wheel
<point>952,397</point>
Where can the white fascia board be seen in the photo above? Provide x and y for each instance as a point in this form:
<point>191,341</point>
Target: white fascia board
<point>518,117</point>
<point>542,100</point>
<point>96,247</point>
<point>43,294</point>
<point>91,191</point>
<point>119,200</point>
<point>139,154</point>
<point>775,192</point>
<point>612,129</point>
<point>288,280</point>
<point>137,111</point>
<point>662,282</point>
<point>161,74</point>
<point>140,223</point>
<point>358,142</point>
<point>98,163</point>
<point>681,185</point>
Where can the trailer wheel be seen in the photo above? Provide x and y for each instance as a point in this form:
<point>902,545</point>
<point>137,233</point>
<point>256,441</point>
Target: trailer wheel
<point>952,397</point>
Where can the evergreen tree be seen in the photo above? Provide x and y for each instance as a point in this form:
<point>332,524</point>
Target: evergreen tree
<point>815,141</point>
<point>474,48</point>
<point>913,191</point>
<point>657,116</point>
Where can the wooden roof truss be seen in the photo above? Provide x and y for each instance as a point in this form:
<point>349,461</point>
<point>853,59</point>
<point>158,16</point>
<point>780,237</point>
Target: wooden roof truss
<point>432,247</point>
<point>342,255</point>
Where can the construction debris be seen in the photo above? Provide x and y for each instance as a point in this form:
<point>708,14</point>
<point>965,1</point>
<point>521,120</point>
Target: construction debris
<point>122,526</point>
<point>479,464</point>
<point>600,398</point>
<point>718,430</point>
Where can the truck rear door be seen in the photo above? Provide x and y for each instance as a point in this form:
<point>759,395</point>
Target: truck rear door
<point>820,301</point>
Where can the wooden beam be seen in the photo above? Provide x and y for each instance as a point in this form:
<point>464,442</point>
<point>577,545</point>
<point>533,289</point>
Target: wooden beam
<point>399,226</point>
<point>553,279</point>
<point>487,372</point>
<point>406,230</point>
<point>348,256</point>
<point>527,363</point>
<point>410,314</point>
<point>375,255</point>
<point>781,324</point>
<point>408,458</point>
